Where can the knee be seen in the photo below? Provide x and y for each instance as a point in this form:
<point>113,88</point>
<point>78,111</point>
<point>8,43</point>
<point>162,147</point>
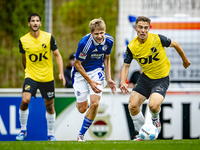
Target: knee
<point>133,108</point>
<point>154,108</point>
<point>82,109</point>
<point>24,103</point>
<point>94,105</point>
<point>50,108</point>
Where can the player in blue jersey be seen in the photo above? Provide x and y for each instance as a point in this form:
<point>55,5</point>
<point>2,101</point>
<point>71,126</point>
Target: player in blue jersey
<point>91,60</point>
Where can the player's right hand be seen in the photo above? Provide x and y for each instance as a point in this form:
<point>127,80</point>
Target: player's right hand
<point>124,88</point>
<point>94,86</point>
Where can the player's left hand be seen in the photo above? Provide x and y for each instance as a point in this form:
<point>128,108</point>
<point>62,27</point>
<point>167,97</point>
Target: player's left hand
<point>186,64</point>
<point>112,85</point>
<point>61,77</point>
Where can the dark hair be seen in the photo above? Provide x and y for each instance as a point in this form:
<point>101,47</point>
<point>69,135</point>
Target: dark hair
<point>143,18</point>
<point>34,14</point>
<point>71,56</point>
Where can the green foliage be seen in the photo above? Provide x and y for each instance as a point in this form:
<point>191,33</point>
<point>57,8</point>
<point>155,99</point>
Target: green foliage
<point>79,13</point>
<point>14,24</point>
<point>14,16</point>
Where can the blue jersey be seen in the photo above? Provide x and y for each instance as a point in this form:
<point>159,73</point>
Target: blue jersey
<point>92,53</point>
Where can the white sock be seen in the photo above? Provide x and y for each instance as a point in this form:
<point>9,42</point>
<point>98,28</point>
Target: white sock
<point>50,123</point>
<point>155,116</point>
<point>23,117</point>
<point>138,121</point>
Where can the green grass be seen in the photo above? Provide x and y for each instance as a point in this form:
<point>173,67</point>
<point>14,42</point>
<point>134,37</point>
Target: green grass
<point>102,145</point>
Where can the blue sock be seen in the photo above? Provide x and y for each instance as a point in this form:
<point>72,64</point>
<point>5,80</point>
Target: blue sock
<point>85,126</point>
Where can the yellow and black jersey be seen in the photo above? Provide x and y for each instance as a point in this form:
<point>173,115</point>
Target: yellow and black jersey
<point>150,55</point>
<point>38,55</point>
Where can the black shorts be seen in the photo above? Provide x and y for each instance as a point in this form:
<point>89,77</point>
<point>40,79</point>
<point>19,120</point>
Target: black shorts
<point>46,88</point>
<point>147,86</point>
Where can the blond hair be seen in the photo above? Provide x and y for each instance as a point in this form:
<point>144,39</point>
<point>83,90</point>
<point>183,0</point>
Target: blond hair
<point>97,24</point>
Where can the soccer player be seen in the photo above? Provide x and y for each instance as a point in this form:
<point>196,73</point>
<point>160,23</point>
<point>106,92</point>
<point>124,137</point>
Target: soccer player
<point>148,50</point>
<point>91,59</point>
<point>36,48</point>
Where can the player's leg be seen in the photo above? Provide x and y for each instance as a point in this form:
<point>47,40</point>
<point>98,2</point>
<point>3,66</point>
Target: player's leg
<point>135,102</point>
<point>158,92</point>
<point>81,92</point>
<point>90,115</point>
<point>155,102</point>
<point>48,93</point>
<point>51,118</point>
<point>29,89</point>
<point>140,93</point>
<point>82,106</point>
<point>94,103</point>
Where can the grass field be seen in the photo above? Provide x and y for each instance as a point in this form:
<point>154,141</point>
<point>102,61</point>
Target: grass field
<point>102,145</point>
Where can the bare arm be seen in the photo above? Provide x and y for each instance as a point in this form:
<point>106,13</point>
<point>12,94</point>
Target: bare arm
<point>59,62</point>
<point>124,74</point>
<point>186,62</point>
<point>24,61</point>
<point>81,70</point>
<point>111,83</point>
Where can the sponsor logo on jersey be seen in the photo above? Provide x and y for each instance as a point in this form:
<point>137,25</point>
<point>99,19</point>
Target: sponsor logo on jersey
<point>153,49</point>
<point>50,94</point>
<point>148,60</point>
<point>27,87</point>
<point>44,46</point>
<point>95,50</point>
<point>82,56</point>
<point>38,57</point>
<point>96,56</point>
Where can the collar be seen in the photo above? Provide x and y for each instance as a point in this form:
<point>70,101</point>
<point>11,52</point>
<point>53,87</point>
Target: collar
<point>97,44</point>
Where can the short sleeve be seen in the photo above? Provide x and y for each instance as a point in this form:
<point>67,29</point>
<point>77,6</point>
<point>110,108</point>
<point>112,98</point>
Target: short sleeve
<point>165,41</point>
<point>129,56</point>
<point>53,44</point>
<point>21,48</point>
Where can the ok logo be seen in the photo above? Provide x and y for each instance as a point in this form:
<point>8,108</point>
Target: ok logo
<point>149,59</point>
<point>39,57</point>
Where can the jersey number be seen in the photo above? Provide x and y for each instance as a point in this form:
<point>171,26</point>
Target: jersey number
<point>34,57</point>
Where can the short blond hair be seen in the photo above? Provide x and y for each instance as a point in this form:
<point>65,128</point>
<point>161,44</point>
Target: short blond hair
<point>97,24</point>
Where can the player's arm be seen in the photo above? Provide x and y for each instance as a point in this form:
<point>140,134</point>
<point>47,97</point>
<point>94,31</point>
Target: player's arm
<point>171,43</point>
<point>124,74</point>
<point>111,83</point>
<point>176,45</point>
<point>24,61</point>
<point>124,71</point>
<point>59,62</point>
<point>23,54</point>
<point>59,59</point>
<point>81,70</point>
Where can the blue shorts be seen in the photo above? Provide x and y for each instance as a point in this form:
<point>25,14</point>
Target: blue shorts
<point>46,88</point>
<point>146,86</point>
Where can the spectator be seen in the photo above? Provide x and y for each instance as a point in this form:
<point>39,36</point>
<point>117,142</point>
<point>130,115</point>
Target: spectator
<point>67,72</point>
<point>134,78</point>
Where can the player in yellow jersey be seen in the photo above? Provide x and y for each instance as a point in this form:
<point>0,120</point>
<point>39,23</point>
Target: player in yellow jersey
<point>148,50</point>
<point>36,48</point>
